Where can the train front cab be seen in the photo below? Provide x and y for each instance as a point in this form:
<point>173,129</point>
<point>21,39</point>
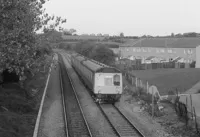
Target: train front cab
<point>108,86</point>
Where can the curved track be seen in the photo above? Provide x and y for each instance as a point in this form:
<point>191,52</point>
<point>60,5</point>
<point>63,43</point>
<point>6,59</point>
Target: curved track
<point>76,123</point>
<point>120,124</point>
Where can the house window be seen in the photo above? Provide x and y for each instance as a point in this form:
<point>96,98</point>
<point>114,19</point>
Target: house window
<point>133,49</point>
<point>162,50</point>
<point>138,49</point>
<point>174,51</point>
<point>169,50</point>
<point>144,49</point>
<point>157,50</point>
<point>184,51</point>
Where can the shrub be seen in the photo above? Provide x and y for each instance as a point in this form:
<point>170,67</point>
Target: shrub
<point>192,65</point>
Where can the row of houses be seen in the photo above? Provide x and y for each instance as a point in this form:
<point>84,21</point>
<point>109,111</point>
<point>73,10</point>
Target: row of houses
<point>154,50</point>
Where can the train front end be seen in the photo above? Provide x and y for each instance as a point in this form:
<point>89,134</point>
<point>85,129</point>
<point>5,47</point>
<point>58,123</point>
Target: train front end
<point>108,86</point>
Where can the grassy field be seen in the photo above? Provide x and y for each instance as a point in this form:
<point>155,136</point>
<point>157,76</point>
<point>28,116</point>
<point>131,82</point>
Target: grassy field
<point>169,79</point>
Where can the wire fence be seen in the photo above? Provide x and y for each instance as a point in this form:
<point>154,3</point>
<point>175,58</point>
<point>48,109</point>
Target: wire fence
<point>186,111</point>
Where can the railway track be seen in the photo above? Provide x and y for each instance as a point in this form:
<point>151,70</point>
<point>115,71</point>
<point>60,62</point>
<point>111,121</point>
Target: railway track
<point>76,124</point>
<point>120,124</point>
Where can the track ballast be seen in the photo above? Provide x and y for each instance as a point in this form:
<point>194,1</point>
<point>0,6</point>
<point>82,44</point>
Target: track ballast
<point>76,123</point>
<point>120,124</point>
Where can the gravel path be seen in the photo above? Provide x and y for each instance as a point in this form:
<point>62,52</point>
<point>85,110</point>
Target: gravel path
<point>142,120</point>
<point>52,119</point>
<point>97,123</point>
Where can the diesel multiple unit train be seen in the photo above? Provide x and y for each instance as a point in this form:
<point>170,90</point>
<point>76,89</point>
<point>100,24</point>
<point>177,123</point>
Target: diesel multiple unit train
<point>104,81</point>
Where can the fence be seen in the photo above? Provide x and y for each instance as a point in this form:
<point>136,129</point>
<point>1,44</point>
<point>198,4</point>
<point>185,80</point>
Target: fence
<point>187,112</point>
<point>130,65</point>
<point>181,109</point>
<point>136,82</point>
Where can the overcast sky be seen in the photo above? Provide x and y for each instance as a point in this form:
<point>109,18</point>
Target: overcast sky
<point>132,17</point>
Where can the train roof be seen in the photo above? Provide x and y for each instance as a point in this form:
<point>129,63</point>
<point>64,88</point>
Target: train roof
<point>91,65</point>
<point>94,65</point>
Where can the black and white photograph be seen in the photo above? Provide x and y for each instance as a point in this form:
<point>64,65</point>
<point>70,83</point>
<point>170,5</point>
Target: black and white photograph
<point>91,68</point>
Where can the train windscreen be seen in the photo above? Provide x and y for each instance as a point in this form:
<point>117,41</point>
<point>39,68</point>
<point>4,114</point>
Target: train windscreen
<point>116,81</point>
<point>108,81</point>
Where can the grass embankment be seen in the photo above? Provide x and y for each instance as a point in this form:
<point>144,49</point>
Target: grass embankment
<point>18,108</point>
<point>170,79</point>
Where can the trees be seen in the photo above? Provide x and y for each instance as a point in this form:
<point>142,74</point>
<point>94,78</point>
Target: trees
<point>19,21</point>
<point>121,34</point>
<point>95,51</point>
<point>103,55</point>
<point>69,32</point>
<point>172,35</point>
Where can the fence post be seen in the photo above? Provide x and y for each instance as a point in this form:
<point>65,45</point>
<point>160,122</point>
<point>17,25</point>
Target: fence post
<point>136,82</point>
<point>191,106</point>
<point>196,125</point>
<point>186,101</point>
<point>152,103</point>
<point>139,84</point>
<point>132,80</point>
<point>186,112</point>
<point>147,87</point>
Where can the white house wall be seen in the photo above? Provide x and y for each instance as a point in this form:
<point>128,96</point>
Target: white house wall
<point>198,56</point>
<point>187,53</point>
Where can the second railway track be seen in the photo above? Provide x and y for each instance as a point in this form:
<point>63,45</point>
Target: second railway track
<point>120,124</point>
<point>76,123</point>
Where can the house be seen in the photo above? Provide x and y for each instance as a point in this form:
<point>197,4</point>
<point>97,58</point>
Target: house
<point>151,59</point>
<point>164,48</point>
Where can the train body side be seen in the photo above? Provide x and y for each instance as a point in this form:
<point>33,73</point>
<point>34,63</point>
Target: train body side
<point>105,82</point>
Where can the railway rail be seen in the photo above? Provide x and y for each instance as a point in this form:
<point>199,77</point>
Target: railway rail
<point>120,124</point>
<point>77,125</point>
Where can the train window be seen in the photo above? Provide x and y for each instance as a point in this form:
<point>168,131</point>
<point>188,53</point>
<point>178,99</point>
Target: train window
<point>116,81</point>
<point>108,81</point>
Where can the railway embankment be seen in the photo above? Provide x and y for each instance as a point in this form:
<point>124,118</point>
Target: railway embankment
<point>168,124</point>
<point>19,105</point>
<point>51,119</point>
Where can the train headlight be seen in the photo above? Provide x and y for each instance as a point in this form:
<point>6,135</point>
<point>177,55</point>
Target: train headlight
<point>118,89</point>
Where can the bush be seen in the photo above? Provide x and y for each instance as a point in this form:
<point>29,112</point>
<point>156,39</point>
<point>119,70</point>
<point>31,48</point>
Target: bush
<point>147,98</point>
<point>95,51</point>
<point>192,65</point>
<point>65,46</point>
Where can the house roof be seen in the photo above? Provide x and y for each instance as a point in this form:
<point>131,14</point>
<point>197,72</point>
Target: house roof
<point>150,57</point>
<point>125,59</point>
<point>177,59</point>
<point>164,42</point>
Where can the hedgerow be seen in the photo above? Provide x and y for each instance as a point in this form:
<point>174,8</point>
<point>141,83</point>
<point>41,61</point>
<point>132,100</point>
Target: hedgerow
<point>19,44</point>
